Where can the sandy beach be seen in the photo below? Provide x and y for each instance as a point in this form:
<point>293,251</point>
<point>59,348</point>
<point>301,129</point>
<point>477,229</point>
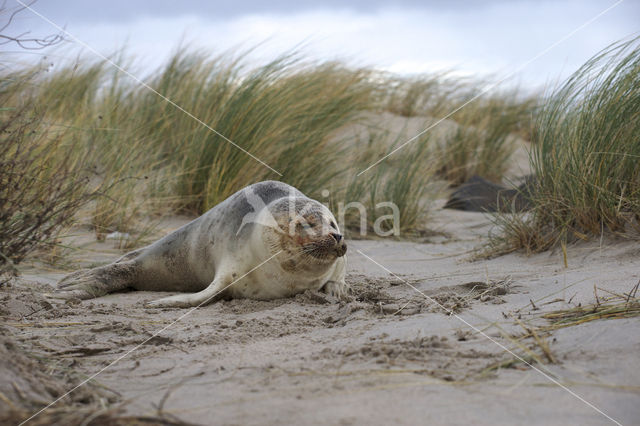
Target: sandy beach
<point>390,355</point>
<point>481,167</point>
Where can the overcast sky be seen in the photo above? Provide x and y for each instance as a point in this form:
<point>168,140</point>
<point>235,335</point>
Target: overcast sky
<point>472,37</point>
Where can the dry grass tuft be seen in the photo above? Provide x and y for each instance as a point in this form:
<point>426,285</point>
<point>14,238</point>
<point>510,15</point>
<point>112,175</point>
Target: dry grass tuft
<point>41,185</point>
<point>620,306</point>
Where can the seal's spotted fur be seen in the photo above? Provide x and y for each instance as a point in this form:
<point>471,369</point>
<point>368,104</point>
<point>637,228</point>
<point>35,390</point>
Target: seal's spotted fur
<point>212,254</point>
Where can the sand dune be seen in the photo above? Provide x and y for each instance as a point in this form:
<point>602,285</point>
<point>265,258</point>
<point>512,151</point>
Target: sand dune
<point>391,355</point>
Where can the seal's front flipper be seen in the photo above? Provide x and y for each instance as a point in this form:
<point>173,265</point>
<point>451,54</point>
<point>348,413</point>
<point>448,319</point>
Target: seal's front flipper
<point>337,286</point>
<point>338,289</point>
<point>96,282</point>
<point>206,296</point>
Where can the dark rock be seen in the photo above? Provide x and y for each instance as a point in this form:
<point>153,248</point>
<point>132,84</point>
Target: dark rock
<point>480,195</point>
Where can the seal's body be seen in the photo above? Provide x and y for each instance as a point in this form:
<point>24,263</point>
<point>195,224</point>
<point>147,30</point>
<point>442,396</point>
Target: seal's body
<point>266,241</point>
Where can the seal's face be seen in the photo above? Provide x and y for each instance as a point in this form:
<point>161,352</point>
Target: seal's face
<point>318,236</point>
<point>309,234</point>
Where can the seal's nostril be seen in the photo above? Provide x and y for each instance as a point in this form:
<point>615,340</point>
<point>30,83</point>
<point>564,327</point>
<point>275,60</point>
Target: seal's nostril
<point>337,237</point>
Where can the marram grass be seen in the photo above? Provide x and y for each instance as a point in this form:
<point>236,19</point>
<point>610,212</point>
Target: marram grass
<point>149,158</point>
<point>586,157</point>
<point>486,122</point>
<point>484,140</point>
<point>283,113</point>
<point>404,180</point>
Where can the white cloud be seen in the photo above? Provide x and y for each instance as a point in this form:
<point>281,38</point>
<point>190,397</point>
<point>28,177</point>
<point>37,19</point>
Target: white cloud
<point>475,41</point>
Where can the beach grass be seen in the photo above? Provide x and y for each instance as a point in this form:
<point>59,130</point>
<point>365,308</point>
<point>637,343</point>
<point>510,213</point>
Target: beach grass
<point>485,137</point>
<point>42,184</point>
<point>486,123</point>
<point>585,156</point>
<point>403,185</point>
<point>272,122</point>
<point>212,125</point>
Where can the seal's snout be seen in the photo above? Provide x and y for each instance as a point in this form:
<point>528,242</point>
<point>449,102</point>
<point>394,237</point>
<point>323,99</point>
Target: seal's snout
<point>341,247</point>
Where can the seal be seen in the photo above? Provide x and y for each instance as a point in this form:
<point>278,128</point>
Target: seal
<point>266,241</point>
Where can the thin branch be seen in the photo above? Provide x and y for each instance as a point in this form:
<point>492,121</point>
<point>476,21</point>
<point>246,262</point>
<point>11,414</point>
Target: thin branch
<point>27,43</point>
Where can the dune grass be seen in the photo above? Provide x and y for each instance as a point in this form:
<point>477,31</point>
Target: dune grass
<point>435,94</point>
<point>404,181</point>
<point>148,158</point>
<point>486,123</point>
<point>484,140</point>
<point>586,157</point>
<point>283,113</point>
<point>42,185</point>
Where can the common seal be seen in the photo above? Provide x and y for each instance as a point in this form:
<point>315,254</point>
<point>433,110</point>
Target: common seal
<point>266,241</point>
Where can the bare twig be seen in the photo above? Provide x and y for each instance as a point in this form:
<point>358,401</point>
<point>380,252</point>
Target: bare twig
<point>28,43</point>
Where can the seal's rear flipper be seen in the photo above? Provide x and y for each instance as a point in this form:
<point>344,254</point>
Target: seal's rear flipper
<point>96,282</point>
<point>206,296</point>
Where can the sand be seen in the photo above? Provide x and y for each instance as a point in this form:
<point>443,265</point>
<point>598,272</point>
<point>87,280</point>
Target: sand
<point>390,355</point>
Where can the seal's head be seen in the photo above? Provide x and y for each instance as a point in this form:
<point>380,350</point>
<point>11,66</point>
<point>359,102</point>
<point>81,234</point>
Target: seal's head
<point>306,231</point>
